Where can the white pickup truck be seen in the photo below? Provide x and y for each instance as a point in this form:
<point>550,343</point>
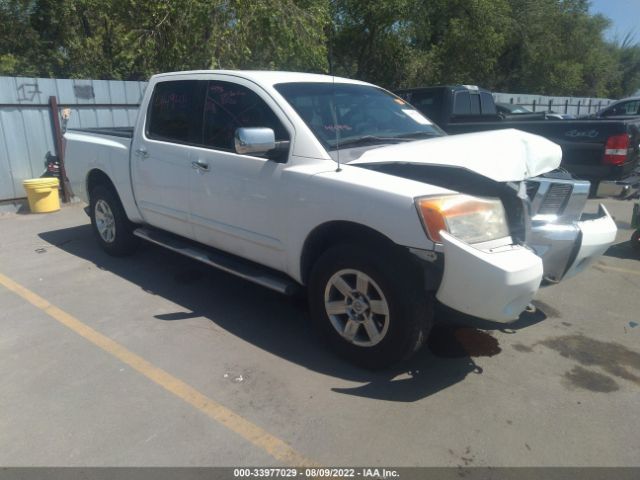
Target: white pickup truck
<point>297,180</point>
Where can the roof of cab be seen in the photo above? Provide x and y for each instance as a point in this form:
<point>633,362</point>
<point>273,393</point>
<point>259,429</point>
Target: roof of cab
<point>265,77</point>
<point>457,87</point>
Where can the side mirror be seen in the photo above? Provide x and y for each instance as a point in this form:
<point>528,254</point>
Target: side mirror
<point>255,141</point>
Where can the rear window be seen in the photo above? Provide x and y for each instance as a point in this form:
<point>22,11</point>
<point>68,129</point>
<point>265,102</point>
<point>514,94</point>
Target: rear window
<point>175,111</point>
<point>462,103</point>
<point>475,104</point>
<point>487,104</point>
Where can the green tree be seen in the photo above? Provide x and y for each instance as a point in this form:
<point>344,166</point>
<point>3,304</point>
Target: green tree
<point>133,39</point>
<point>556,47</point>
<point>551,47</point>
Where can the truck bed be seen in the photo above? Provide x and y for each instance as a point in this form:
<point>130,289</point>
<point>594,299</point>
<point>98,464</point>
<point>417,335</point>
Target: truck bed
<point>100,149</point>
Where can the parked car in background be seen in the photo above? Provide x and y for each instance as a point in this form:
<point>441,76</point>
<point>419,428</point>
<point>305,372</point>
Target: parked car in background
<point>625,108</point>
<point>592,149</point>
<point>295,180</point>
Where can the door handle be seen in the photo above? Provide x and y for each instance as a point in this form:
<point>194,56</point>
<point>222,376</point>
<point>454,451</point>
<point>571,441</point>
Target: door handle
<point>142,153</point>
<point>200,165</point>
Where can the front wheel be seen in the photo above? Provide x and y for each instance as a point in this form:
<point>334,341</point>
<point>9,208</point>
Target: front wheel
<point>371,308</point>
<point>110,224</point>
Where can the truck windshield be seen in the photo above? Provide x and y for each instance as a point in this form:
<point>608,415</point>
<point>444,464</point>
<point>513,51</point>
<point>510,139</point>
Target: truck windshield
<point>344,115</point>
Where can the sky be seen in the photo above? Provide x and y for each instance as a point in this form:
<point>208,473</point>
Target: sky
<point>625,15</point>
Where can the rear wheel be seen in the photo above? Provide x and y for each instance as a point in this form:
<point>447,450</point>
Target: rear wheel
<point>112,228</point>
<point>371,308</point>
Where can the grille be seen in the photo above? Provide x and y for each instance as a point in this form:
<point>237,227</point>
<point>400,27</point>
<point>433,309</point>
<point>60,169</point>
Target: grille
<point>556,199</point>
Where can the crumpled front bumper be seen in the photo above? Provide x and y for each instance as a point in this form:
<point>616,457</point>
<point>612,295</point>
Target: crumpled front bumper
<point>567,249</point>
<point>495,284</point>
<point>498,283</point>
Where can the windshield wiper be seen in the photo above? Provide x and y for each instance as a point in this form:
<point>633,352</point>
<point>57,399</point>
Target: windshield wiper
<point>370,140</point>
<point>414,135</point>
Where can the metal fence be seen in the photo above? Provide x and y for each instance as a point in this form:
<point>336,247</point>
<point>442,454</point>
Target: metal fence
<point>540,103</point>
<point>27,131</point>
<point>26,119</point>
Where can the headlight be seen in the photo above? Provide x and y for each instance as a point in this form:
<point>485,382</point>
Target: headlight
<point>471,219</point>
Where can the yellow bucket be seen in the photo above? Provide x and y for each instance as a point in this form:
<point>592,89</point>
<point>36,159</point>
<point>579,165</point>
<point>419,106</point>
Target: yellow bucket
<point>42,194</point>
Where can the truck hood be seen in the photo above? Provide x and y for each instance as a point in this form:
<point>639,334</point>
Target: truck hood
<point>508,155</point>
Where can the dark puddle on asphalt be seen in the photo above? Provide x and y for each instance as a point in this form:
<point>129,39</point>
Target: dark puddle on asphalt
<point>456,342</point>
<point>589,380</point>
<point>522,348</point>
<point>613,358</point>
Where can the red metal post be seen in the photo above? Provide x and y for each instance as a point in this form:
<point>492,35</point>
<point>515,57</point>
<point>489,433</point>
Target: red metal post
<point>57,137</point>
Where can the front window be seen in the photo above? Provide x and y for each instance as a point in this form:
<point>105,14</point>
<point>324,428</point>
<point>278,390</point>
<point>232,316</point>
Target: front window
<point>344,115</point>
<point>229,106</point>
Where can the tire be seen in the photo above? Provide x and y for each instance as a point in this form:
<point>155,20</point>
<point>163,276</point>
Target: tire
<point>635,241</point>
<point>116,238</point>
<point>392,281</point>
<point>593,188</point>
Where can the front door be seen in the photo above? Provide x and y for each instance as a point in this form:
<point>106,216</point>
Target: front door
<point>237,200</point>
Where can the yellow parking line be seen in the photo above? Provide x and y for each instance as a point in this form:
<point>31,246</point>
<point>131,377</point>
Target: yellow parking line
<point>274,446</point>
<point>617,269</point>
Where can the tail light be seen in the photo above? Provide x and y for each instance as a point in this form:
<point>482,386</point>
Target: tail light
<point>616,149</point>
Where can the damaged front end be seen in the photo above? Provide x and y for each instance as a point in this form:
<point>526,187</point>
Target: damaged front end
<point>550,238</point>
<point>494,279</point>
<point>545,213</point>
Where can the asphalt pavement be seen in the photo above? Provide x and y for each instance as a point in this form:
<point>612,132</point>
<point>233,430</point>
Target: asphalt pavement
<point>157,360</point>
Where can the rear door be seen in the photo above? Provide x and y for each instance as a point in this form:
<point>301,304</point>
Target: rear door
<point>160,157</point>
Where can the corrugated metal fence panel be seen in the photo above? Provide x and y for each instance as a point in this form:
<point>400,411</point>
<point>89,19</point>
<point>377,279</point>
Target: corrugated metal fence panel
<point>6,176</point>
<point>26,132</point>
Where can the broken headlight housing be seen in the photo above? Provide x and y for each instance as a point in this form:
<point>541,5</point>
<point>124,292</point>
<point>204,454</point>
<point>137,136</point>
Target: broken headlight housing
<point>471,219</point>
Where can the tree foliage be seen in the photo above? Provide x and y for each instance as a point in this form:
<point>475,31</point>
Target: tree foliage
<point>551,47</point>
